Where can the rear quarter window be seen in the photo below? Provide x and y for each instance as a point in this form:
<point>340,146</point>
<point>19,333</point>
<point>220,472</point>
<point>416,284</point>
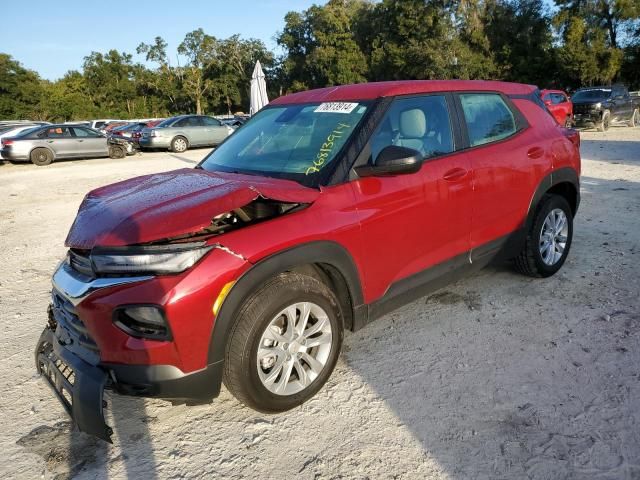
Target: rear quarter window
<point>487,117</point>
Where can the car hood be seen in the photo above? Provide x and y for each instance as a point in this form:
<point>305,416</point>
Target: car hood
<point>164,205</point>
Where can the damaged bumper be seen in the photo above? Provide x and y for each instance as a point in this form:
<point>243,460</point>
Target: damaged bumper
<point>78,385</point>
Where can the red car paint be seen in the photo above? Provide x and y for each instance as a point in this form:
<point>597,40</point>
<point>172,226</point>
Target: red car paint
<point>559,104</point>
<point>392,227</point>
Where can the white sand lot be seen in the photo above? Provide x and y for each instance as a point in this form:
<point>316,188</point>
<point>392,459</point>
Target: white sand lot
<point>497,376</point>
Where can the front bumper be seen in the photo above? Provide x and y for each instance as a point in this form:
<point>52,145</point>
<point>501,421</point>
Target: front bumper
<point>82,352</point>
<point>587,119</point>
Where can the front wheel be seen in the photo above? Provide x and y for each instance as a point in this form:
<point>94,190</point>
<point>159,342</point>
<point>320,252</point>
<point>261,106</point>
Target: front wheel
<point>117,151</point>
<point>548,239</point>
<point>635,118</point>
<point>284,344</point>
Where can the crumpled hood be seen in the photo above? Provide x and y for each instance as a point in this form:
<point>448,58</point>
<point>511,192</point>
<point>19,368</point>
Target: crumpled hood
<point>164,205</point>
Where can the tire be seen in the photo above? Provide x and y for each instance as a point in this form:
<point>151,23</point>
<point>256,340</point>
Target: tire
<point>532,261</point>
<point>247,377</point>
<point>635,118</point>
<point>41,157</point>
<point>179,145</point>
<point>603,126</point>
<point>117,151</point>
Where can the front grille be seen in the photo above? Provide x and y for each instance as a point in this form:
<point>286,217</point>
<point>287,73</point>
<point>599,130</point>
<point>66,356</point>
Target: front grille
<point>79,260</point>
<point>65,315</point>
<point>581,109</point>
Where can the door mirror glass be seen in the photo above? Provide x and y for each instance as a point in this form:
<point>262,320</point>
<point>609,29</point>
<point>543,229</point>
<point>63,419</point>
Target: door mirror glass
<point>393,160</point>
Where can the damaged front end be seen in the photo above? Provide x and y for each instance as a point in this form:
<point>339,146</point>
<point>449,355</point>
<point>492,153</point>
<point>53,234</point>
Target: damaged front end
<point>145,256</point>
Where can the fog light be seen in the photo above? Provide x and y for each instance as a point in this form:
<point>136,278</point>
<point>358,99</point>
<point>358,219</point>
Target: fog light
<point>142,321</point>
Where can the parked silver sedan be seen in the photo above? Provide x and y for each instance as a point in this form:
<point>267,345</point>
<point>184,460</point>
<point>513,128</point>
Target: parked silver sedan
<point>185,131</point>
<point>42,145</point>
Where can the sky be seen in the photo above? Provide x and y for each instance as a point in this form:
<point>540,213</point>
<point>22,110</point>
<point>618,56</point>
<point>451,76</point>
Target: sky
<point>52,37</point>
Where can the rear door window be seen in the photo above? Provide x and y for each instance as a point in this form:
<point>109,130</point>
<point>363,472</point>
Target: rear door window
<point>85,132</point>
<point>488,118</point>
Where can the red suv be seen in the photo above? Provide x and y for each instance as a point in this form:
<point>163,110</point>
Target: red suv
<point>560,106</point>
<point>326,210</point>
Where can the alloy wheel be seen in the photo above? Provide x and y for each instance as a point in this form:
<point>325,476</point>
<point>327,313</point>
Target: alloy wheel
<point>294,348</point>
<point>553,236</point>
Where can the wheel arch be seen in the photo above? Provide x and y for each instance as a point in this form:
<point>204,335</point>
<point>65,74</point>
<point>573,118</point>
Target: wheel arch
<point>564,182</point>
<point>53,154</point>
<point>328,261</point>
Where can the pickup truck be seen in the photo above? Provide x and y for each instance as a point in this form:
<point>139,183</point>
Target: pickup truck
<point>601,107</point>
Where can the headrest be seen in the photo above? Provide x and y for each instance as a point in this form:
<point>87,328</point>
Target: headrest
<point>413,123</point>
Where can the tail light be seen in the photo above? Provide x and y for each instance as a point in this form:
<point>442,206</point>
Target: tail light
<point>6,142</point>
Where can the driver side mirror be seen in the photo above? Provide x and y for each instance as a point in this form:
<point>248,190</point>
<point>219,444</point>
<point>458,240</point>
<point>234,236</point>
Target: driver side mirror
<point>392,160</point>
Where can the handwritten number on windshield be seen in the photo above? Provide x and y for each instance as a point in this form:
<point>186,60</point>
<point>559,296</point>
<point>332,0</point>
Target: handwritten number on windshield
<point>327,148</point>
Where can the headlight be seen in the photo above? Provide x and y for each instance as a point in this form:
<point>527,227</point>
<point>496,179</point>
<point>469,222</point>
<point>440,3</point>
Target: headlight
<point>153,133</point>
<point>597,106</point>
<point>160,259</point>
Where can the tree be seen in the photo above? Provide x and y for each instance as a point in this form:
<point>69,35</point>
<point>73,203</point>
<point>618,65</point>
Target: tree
<point>200,49</point>
<point>21,90</point>
<point>321,47</point>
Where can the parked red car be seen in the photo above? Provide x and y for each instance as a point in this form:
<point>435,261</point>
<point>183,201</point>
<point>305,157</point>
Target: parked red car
<point>326,210</point>
<point>560,106</point>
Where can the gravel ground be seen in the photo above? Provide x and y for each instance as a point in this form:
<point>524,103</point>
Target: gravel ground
<point>496,376</point>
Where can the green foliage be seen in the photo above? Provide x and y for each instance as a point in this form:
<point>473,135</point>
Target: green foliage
<point>583,42</point>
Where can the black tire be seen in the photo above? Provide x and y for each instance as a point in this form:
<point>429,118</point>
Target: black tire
<point>603,126</point>
<point>41,157</point>
<point>635,118</point>
<point>241,362</point>
<point>179,144</point>
<point>117,151</point>
<point>529,261</point>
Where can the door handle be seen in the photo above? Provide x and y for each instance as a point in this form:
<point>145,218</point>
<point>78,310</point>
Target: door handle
<point>49,141</point>
<point>535,152</point>
<point>81,140</point>
<point>454,174</point>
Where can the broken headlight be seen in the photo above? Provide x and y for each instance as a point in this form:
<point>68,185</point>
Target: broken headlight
<point>158,259</point>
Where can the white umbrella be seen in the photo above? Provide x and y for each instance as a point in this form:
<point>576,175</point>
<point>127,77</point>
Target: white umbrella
<point>258,89</point>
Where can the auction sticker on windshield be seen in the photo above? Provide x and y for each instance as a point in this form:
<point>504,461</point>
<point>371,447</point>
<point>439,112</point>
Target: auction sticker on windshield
<point>336,107</point>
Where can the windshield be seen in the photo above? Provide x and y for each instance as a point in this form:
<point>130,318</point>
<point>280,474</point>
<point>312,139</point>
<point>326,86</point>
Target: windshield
<point>593,94</point>
<point>296,142</point>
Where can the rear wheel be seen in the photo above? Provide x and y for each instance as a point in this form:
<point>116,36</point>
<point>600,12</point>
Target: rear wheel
<point>603,126</point>
<point>41,157</point>
<point>635,118</point>
<point>548,240</point>
<point>284,344</point>
<point>179,144</point>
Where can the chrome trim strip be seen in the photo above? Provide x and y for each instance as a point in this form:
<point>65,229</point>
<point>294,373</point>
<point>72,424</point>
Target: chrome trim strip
<point>76,287</point>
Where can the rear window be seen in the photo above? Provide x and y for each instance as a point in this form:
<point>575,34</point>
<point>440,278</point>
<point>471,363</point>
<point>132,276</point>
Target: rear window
<point>488,118</point>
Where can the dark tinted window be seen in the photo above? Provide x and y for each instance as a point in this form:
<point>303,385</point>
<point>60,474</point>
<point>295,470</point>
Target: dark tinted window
<point>420,123</point>
<point>56,132</point>
<point>187,122</point>
<point>488,118</point>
